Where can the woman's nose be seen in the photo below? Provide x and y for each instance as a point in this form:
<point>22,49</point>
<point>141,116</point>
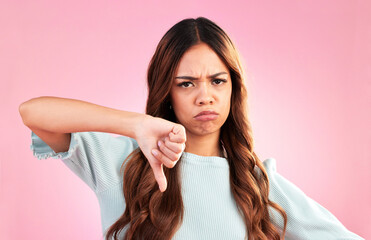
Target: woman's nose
<point>204,95</point>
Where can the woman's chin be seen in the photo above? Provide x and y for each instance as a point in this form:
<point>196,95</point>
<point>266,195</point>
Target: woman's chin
<point>204,130</point>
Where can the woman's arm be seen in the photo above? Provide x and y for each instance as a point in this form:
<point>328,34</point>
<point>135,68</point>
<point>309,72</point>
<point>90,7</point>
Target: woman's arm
<point>54,118</point>
<point>63,115</point>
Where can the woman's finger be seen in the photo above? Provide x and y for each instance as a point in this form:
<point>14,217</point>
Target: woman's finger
<point>167,152</point>
<point>176,148</point>
<point>179,133</point>
<point>175,142</point>
<point>163,159</point>
<point>177,138</point>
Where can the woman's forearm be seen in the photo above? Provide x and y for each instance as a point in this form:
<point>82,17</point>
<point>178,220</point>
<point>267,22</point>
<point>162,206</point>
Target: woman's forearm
<point>64,115</point>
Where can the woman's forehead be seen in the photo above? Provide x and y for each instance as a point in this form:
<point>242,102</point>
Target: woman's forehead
<point>200,59</point>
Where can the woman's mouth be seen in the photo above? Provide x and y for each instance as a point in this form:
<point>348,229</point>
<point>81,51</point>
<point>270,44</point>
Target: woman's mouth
<point>206,116</point>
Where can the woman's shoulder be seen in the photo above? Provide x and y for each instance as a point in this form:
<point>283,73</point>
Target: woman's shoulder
<point>307,219</point>
<point>270,164</point>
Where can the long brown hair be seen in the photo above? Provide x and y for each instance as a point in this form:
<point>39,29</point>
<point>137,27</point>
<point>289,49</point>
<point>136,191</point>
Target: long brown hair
<point>151,214</point>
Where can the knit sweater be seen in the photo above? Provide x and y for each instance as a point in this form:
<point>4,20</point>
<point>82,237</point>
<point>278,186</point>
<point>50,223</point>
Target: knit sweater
<point>210,211</point>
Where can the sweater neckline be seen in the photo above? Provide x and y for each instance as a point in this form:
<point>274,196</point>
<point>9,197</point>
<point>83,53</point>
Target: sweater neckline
<point>204,160</point>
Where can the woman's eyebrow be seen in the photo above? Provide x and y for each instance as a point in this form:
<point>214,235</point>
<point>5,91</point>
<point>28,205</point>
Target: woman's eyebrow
<point>194,78</point>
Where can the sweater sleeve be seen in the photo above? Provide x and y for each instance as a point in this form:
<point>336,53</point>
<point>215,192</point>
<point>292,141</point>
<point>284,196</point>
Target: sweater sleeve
<point>306,219</point>
<point>95,157</point>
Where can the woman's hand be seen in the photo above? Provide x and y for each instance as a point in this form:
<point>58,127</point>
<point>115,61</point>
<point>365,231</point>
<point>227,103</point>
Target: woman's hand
<point>162,142</point>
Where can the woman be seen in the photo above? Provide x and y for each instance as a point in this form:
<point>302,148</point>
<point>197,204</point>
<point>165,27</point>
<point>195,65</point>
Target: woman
<point>195,113</point>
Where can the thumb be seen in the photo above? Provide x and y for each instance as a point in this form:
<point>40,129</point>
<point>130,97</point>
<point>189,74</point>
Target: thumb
<point>158,170</point>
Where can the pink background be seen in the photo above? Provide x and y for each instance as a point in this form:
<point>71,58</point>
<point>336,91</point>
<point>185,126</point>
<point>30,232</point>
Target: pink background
<point>308,65</point>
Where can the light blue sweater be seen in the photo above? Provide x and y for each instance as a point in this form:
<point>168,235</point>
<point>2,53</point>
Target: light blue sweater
<point>210,211</point>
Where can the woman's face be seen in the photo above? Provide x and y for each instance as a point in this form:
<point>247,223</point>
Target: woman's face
<point>202,83</point>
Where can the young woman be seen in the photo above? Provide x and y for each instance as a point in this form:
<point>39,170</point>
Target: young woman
<point>187,168</point>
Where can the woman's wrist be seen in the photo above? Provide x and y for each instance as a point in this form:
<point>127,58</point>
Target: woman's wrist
<point>133,123</point>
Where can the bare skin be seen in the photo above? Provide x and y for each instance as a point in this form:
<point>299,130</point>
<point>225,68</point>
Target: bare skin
<point>193,92</point>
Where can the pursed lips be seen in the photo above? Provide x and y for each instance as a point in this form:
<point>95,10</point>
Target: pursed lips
<point>206,115</point>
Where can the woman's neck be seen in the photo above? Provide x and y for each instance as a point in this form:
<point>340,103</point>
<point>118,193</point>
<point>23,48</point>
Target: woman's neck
<point>205,145</point>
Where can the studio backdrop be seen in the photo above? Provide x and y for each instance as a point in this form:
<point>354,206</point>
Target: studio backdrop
<point>307,65</point>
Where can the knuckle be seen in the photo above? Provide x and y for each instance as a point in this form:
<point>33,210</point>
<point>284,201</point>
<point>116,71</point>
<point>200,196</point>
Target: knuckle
<point>170,164</point>
<point>180,149</point>
<point>175,158</point>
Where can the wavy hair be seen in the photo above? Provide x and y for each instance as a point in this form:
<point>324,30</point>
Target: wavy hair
<point>152,214</point>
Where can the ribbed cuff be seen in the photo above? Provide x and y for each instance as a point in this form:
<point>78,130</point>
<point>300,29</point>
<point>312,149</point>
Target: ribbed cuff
<point>41,150</point>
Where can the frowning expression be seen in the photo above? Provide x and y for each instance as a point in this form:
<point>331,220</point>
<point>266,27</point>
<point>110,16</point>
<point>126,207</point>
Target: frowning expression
<point>201,91</point>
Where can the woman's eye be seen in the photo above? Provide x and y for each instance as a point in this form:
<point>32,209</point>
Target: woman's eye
<point>185,84</point>
<point>218,81</point>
